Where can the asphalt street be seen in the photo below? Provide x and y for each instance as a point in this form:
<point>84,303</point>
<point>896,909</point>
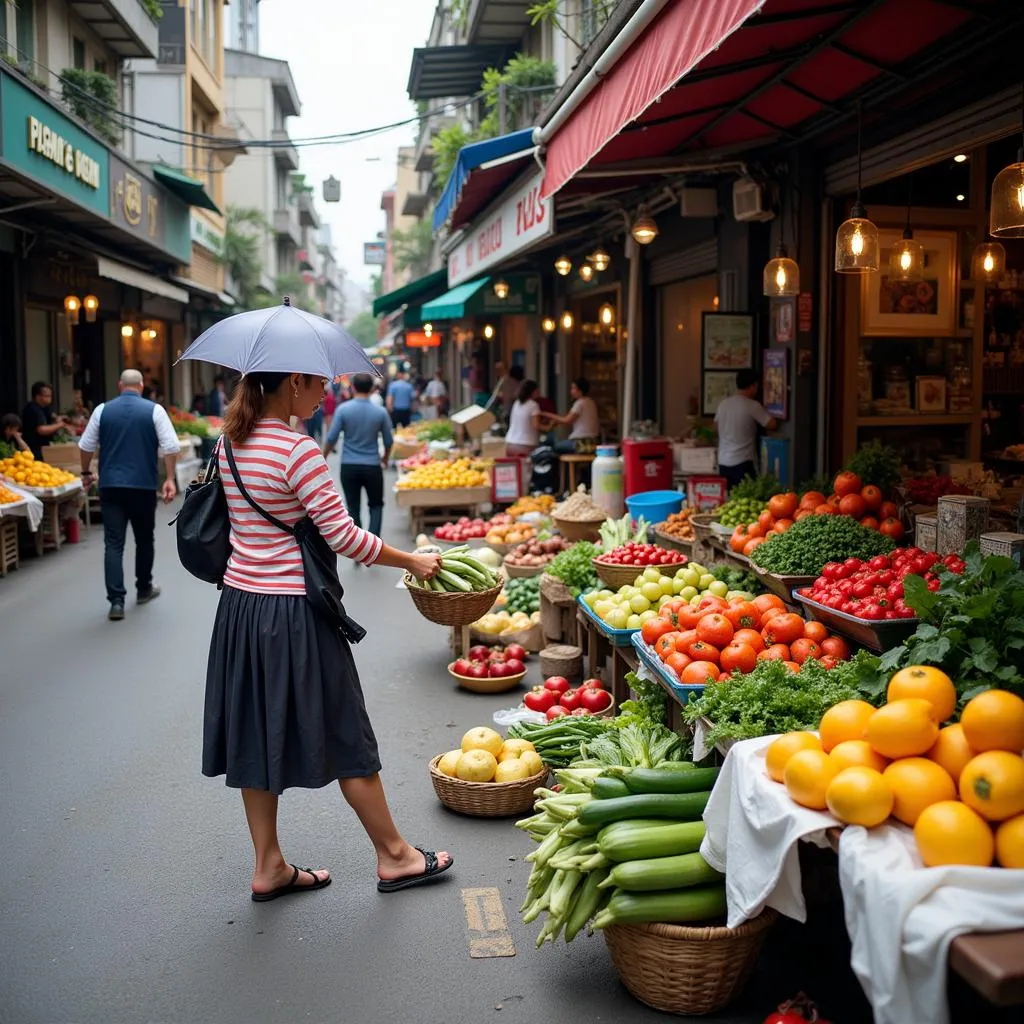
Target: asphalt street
<point>124,895</point>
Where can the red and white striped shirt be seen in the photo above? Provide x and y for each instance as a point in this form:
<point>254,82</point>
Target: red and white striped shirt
<point>286,475</point>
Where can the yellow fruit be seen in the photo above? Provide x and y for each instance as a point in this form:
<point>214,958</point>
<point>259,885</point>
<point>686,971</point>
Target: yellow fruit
<point>951,750</point>
<point>532,761</point>
<point>807,776</point>
<point>917,783</point>
<point>857,753</point>
<point>449,763</point>
<point>1010,842</point>
<point>859,796</point>
<point>931,684</point>
<point>844,721</point>
<point>476,766</point>
<point>993,784</point>
<point>904,728</point>
<point>994,720</point>
<point>949,832</point>
<point>514,747</point>
<point>782,749</point>
<point>482,738</point>
<point>511,770</point>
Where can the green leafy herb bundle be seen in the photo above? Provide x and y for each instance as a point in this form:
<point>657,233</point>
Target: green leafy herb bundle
<point>650,706</point>
<point>877,464</point>
<point>575,568</point>
<point>760,488</point>
<point>806,547</point>
<point>972,626</point>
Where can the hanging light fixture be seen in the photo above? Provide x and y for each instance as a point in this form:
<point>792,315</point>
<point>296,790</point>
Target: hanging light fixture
<point>90,304</point>
<point>645,229</point>
<point>906,257</point>
<point>988,263</point>
<point>501,288</point>
<point>72,306</point>
<point>606,314</point>
<point>548,326</point>
<point>567,321</point>
<point>1006,211</point>
<point>563,265</point>
<point>127,332</point>
<point>587,272</point>
<point>428,329</point>
<point>857,237</point>
<point>781,275</point>
<point>488,331</point>
<point>601,260</point>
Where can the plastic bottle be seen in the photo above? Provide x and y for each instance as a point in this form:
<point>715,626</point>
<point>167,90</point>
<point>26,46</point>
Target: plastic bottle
<point>606,480</point>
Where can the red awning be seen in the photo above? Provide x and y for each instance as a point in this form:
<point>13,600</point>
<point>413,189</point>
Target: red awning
<point>729,74</point>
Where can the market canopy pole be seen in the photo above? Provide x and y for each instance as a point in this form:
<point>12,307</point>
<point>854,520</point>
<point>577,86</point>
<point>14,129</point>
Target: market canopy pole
<point>632,331</point>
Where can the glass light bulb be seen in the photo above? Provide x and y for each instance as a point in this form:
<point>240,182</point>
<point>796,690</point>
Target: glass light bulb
<point>1020,196</point>
<point>857,243</point>
<point>905,260</point>
<point>988,263</point>
<point>780,277</point>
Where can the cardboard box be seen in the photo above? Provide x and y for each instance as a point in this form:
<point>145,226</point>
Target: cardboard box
<point>492,447</point>
<point>691,460</point>
<point>474,420</point>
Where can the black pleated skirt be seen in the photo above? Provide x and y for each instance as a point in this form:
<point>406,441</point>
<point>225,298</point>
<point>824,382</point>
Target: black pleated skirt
<point>284,707</point>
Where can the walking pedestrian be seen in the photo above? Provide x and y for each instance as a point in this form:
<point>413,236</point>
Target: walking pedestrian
<point>435,394</point>
<point>217,400</point>
<point>365,427</point>
<point>128,431</point>
<point>38,421</point>
<point>399,400</point>
<point>737,419</point>
<point>284,707</point>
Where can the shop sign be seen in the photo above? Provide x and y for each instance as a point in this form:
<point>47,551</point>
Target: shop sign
<point>518,222</point>
<point>420,339</point>
<point>139,206</point>
<point>374,254</point>
<point>39,141</point>
<point>805,311</point>
<point>207,235</point>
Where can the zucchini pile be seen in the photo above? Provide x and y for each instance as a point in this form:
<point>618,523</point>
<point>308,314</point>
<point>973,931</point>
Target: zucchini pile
<point>621,845</point>
<point>460,573</point>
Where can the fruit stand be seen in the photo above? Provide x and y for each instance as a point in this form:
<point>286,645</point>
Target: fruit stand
<point>440,490</point>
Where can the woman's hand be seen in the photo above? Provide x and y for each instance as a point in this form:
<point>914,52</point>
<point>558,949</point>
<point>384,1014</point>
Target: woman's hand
<point>423,566</point>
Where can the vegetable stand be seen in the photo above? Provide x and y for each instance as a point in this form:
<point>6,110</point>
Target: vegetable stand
<point>434,507</point>
<point>601,642</point>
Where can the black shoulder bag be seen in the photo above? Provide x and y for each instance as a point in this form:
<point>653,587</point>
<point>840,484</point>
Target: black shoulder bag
<point>319,563</point>
<point>202,527</point>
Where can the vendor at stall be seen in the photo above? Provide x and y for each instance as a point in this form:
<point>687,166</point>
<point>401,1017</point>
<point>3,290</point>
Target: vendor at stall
<point>39,422</point>
<point>582,417</point>
<point>525,421</point>
<point>738,418</point>
<point>10,433</point>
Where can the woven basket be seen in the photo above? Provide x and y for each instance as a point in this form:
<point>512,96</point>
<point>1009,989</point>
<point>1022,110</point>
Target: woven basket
<point>577,530</point>
<point>458,609</point>
<point>685,970</point>
<point>521,571</point>
<point>616,576</point>
<point>485,799</point>
<point>701,523</point>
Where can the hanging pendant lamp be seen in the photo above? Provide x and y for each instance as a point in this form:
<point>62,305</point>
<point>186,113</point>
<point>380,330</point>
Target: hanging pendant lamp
<point>857,237</point>
<point>1006,210</point>
<point>781,275</point>
<point>906,257</point>
<point>988,264</point>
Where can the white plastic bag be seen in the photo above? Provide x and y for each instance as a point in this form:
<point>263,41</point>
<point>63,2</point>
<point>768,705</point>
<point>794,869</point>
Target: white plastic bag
<point>509,716</point>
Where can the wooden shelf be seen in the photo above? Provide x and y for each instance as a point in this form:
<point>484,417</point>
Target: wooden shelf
<point>912,420</point>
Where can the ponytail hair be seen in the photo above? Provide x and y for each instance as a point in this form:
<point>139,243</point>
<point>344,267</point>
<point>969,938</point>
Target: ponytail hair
<point>245,409</point>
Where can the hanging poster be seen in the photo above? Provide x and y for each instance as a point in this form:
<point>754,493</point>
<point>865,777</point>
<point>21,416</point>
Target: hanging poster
<point>727,341</point>
<point>776,382</point>
<point>716,386</point>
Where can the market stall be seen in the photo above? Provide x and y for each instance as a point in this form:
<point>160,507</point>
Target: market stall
<point>15,504</point>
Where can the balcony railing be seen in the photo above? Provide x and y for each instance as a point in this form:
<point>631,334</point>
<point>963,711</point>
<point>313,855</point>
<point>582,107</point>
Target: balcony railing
<point>308,216</point>
<point>286,224</point>
<point>285,153</point>
<point>123,25</point>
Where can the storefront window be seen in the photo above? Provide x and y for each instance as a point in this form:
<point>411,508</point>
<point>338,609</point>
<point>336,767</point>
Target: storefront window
<point>145,350</point>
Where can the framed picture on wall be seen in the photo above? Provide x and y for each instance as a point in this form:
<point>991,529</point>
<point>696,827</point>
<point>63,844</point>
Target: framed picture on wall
<point>912,309</point>
<point>716,385</point>
<point>783,326</point>
<point>727,341</point>
<point>776,382</point>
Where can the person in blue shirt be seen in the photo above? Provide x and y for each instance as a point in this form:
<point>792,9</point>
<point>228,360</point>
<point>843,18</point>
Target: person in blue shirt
<point>364,425</point>
<point>400,396</point>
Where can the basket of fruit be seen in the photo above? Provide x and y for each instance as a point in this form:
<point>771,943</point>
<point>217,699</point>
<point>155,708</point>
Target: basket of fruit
<point>503,537</point>
<point>488,777</point>
<point>487,670</point>
<point>621,566</point>
<point>463,590</point>
<point>701,523</point>
<point>531,558</point>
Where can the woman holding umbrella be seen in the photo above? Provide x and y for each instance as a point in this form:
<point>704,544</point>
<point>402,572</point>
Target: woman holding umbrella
<point>284,706</point>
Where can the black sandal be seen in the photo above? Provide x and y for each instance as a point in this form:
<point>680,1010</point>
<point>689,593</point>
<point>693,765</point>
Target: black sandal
<point>285,890</point>
<point>432,871</point>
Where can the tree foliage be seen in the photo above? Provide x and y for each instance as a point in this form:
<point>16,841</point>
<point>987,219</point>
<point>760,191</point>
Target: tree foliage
<point>364,329</point>
<point>241,254</point>
<point>412,248</point>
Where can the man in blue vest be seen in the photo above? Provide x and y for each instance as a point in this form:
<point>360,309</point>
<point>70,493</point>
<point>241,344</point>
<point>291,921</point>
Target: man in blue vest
<point>128,432</point>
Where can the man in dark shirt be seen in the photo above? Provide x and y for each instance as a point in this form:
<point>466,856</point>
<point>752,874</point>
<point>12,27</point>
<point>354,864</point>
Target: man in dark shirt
<point>38,424</point>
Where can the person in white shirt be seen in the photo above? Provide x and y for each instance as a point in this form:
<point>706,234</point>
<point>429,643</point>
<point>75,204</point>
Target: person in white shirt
<point>582,417</point>
<point>525,421</point>
<point>738,418</point>
<point>435,395</point>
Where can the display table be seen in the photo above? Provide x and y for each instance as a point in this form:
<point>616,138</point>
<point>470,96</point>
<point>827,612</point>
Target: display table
<point>433,507</point>
<point>601,643</point>
<point>56,502</point>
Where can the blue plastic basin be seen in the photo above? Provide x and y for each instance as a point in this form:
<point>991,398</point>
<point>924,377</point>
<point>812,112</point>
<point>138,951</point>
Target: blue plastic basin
<point>654,506</point>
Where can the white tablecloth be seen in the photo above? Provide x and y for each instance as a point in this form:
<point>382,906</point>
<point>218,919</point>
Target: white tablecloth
<point>29,507</point>
<point>901,916</point>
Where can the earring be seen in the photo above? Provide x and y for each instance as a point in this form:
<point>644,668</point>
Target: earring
<point>296,392</point>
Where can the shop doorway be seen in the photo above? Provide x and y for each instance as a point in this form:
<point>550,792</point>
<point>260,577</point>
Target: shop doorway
<point>89,363</point>
<point>596,353</point>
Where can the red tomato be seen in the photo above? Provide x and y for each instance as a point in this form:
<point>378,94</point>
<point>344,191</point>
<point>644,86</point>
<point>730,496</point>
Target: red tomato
<point>827,661</point>
<point>677,662</point>
<point>755,530</point>
<point>742,614</point>
<point>783,506</point>
<point>784,629</point>
<point>826,510</point>
<point>710,603</point>
<point>742,657</point>
<point>777,652</point>
<point>594,682</point>
<point>892,528</point>
<point>750,637</point>
<point>792,666</point>
<point>556,711</point>
<point>715,629</point>
<point>700,672</point>
<point>815,631</point>
<point>595,701</point>
<point>766,520</point>
<point>765,601</point>
<point>738,539</point>
<point>665,645</point>
<point>690,616</point>
<point>888,510</point>
<point>516,651</point>
<point>652,629</point>
<point>802,513</point>
<point>752,545</point>
<point>782,525</point>
<point>853,505</point>
<point>539,699</point>
<point>699,650</point>
<point>803,649</point>
<point>847,483</point>
<point>869,523</point>
<point>570,700</point>
<point>478,653</point>
<point>558,684</point>
<point>812,499</point>
<point>872,497</point>
<point>724,677</point>
<point>837,647</point>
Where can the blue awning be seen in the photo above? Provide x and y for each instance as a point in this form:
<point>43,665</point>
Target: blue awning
<point>473,156</point>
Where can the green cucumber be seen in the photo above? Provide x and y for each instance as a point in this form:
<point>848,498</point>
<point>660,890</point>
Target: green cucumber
<point>453,582</point>
<point>657,780</point>
<point>679,872</point>
<point>675,806</point>
<point>603,788</point>
<point>668,840</point>
<point>676,905</point>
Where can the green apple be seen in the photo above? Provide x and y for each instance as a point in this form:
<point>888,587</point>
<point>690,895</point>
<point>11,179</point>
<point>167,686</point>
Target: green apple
<point>626,588</point>
<point>706,580</point>
<point>718,588</point>
<point>691,577</point>
<point>651,574</point>
<point>697,567</point>
<point>689,593</point>
<point>633,622</point>
<point>695,600</point>
<point>605,594</point>
<point>617,619</point>
<point>651,591</point>
<point>602,608</point>
<point>648,615</point>
<point>591,599</point>
<point>667,584</point>
<point>639,603</point>
<point>678,586</point>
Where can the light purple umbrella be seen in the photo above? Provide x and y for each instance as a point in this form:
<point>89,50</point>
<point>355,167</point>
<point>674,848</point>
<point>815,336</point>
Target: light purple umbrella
<point>281,339</point>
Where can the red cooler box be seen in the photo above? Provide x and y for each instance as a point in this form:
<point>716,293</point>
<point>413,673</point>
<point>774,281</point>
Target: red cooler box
<point>647,465</point>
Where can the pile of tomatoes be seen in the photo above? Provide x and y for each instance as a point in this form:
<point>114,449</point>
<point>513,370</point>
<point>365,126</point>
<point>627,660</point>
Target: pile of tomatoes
<point>557,698</point>
<point>850,497</point>
<point>873,590</point>
<point>641,554</point>
<point>469,529</point>
<point>483,662</point>
<point>714,638</point>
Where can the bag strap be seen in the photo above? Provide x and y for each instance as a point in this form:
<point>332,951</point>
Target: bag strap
<point>248,497</point>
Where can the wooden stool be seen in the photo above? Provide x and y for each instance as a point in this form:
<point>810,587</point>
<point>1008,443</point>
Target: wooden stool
<point>571,462</point>
<point>8,545</point>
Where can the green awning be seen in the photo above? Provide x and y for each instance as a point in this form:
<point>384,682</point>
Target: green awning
<point>409,293</point>
<point>189,189</point>
<point>477,298</point>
